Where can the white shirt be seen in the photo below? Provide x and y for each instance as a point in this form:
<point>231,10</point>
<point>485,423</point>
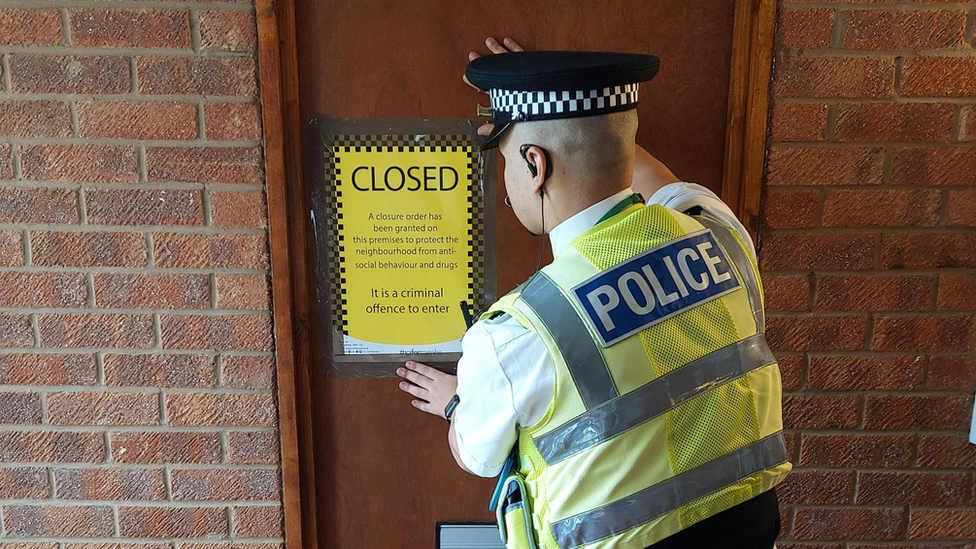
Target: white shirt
<point>505,375</point>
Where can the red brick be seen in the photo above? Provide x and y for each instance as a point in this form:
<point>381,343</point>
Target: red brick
<point>781,545</point>
<point>40,205</point>
<point>934,166</point>
<point>805,28</point>
<point>825,165</point>
<point>962,208</point>
<point>893,122</point>
<point>264,521</point>
<point>20,408</point>
<point>162,522</point>
<point>6,162</point>
<point>787,209</point>
<point>232,122</point>
<point>224,484</point>
<point>243,292</point>
<point>144,207</point>
<point>227,410</point>
<point>197,76</point>
<point>786,292</point>
<point>60,520</point>
<point>896,488</point>
<point>110,484</point>
<point>253,447</point>
<point>152,291</point>
<point>74,249</point>
<point>247,372</point>
<point>165,447</point>
<point>23,482</point>
<point>238,209</point>
<point>19,27</point>
<point>956,292</point>
<point>42,290</point>
<point>15,331</point>
<point>874,293</point>
<point>80,163</point>
<point>799,122</point>
<point>56,446</point>
<point>832,77</point>
<point>928,413</point>
<point>820,412</point>
<point>848,523</point>
<point>968,123</point>
<point>103,408</point>
<point>143,120</point>
<point>227,30</point>
<point>130,28</point>
<point>96,330</point>
<point>882,208</point>
<point>211,251</point>
<point>924,333</point>
<point>943,524</point>
<point>791,369</point>
<point>817,487</point>
<point>29,545</point>
<point>874,373</point>
<point>904,30</point>
<point>928,250</point>
<point>101,545</point>
<point>11,249</point>
<point>946,452</point>
<point>952,373</point>
<point>818,333</point>
<point>210,165</point>
<point>35,118</point>
<point>829,252</point>
<point>856,450</point>
<point>225,332</point>
<point>69,74</point>
<point>939,77</point>
<point>47,369</point>
<point>195,371</point>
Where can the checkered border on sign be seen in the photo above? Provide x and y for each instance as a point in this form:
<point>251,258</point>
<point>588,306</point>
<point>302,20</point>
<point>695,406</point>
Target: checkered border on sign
<point>536,103</point>
<point>403,143</point>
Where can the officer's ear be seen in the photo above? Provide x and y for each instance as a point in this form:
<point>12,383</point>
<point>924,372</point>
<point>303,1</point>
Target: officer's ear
<point>538,163</point>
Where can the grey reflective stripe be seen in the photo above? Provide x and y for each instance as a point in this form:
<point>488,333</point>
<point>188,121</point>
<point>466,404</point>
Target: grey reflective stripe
<point>655,398</point>
<point>582,356</point>
<point>743,264</point>
<point>664,497</point>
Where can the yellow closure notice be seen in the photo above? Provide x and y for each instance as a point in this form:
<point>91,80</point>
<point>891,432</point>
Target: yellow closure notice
<point>405,246</point>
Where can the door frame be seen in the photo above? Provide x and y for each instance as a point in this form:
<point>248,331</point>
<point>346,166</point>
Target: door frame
<point>745,148</point>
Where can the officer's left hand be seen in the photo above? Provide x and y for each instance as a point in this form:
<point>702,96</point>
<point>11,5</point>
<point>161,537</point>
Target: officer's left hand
<point>507,45</point>
<point>433,388</point>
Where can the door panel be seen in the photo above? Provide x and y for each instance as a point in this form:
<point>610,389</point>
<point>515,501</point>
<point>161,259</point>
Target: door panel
<point>384,470</point>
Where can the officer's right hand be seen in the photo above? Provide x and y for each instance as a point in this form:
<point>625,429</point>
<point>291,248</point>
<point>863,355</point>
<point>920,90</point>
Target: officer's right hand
<point>507,45</point>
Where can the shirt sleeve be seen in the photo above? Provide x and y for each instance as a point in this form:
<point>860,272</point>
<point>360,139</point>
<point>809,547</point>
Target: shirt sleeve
<point>485,421</point>
<point>684,196</point>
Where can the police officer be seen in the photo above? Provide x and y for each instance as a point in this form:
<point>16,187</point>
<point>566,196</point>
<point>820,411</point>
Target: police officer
<point>631,374</point>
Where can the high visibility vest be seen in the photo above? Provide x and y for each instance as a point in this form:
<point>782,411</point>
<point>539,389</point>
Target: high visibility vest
<point>667,400</point>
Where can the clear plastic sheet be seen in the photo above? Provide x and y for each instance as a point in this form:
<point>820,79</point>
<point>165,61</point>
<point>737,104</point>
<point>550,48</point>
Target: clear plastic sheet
<point>323,135</point>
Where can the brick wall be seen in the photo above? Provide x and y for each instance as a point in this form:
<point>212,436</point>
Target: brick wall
<point>869,252</point>
<point>136,372</point>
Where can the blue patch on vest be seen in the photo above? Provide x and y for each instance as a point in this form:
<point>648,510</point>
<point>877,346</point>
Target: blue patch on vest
<point>655,285</point>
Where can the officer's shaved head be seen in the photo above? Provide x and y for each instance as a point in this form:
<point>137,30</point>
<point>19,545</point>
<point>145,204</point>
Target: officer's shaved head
<point>591,148</point>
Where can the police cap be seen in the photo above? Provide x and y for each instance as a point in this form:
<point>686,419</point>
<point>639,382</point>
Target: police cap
<point>548,85</point>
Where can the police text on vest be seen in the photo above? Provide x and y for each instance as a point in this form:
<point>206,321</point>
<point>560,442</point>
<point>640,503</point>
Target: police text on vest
<point>655,285</point>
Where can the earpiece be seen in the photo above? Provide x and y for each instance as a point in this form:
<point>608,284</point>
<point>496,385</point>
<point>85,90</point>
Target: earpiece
<point>523,150</point>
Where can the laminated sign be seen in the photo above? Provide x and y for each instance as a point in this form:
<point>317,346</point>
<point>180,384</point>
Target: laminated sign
<point>405,240</point>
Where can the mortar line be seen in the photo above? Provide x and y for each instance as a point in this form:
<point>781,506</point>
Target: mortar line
<point>841,22</point>
<point>128,52</point>
<point>5,65</point>
<point>117,142</point>
<point>66,38</point>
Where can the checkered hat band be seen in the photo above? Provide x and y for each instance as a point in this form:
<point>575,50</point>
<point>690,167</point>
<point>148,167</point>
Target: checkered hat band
<point>526,105</point>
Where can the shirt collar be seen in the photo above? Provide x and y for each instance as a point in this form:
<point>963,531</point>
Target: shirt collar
<point>561,235</point>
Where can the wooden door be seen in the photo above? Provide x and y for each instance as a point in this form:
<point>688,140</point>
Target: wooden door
<point>384,472</point>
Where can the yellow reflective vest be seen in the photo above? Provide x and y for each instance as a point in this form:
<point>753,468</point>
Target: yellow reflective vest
<point>667,405</point>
